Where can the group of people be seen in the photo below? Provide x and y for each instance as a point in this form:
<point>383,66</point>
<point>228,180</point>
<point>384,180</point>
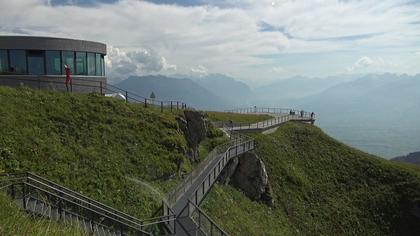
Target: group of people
<point>302,113</point>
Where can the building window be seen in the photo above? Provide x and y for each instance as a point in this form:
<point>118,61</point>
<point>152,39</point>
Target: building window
<point>103,65</point>
<point>91,63</point>
<point>36,64</point>
<point>81,65</point>
<point>68,59</point>
<point>17,61</point>
<point>53,59</point>
<point>4,64</point>
<point>98,64</point>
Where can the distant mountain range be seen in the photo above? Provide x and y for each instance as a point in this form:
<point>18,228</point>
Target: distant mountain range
<point>166,88</point>
<point>289,91</point>
<point>413,158</point>
<point>376,113</point>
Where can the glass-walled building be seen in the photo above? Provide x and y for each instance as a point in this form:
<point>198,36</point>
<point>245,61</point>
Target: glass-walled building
<point>25,59</point>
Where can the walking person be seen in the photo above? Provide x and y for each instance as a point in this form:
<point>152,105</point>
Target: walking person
<point>68,77</point>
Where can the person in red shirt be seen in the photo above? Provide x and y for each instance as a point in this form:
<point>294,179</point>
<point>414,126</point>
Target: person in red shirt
<point>68,78</point>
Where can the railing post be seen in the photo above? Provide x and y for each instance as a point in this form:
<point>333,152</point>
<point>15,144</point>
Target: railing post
<point>196,197</point>
<point>177,105</point>
<point>199,219</point>
<point>13,191</point>
<point>24,195</point>
<point>100,84</point>
<point>60,210</point>
<point>145,102</point>
<point>171,106</point>
<point>161,106</point>
<point>126,96</point>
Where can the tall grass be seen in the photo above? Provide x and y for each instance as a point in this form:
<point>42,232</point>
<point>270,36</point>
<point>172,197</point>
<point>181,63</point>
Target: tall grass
<point>235,117</point>
<point>14,221</point>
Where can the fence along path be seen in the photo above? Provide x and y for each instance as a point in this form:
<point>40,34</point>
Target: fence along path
<point>187,196</point>
<point>280,116</point>
<point>41,197</point>
<point>86,85</point>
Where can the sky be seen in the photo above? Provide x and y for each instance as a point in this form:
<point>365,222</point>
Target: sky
<point>255,41</point>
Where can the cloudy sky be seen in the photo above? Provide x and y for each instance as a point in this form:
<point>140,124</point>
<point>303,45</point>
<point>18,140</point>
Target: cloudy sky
<point>256,41</point>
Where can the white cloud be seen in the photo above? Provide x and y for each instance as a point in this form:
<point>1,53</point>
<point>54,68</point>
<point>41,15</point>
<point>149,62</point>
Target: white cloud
<point>153,38</point>
<point>418,53</point>
<point>278,69</point>
<point>123,63</point>
<point>375,64</point>
<point>363,62</point>
<point>200,70</point>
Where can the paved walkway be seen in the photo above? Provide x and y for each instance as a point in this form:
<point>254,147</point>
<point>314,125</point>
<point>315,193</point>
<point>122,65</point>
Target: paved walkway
<point>277,120</point>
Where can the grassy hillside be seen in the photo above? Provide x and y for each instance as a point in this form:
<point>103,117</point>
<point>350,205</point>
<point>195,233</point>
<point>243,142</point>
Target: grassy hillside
<point>236,117</point>
<point>14,222</point>
<point>321,186</point>
<point>121,154</point>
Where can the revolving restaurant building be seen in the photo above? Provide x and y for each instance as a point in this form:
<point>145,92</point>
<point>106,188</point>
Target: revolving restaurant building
<point>39,62</point>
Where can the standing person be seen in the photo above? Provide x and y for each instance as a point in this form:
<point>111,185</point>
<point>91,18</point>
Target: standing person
<point>68,78</point>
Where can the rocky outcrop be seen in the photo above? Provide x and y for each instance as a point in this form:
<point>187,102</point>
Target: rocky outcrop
<point>229,170</point>
<point>194,127</point>
<point>248,174</point>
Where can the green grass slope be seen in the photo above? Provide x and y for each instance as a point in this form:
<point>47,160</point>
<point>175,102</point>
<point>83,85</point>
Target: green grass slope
<point>121,154</point>
<point>321,187</point>
<point>236,117</point>
<point>14,222</point>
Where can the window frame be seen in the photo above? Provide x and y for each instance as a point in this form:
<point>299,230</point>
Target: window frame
<point>25,58</point>
<point>60,57</point>
<point>94,64</point>
<point>85,72</point>
<point>5,70</point>
<point>72,69</point>
<point>41,55</point>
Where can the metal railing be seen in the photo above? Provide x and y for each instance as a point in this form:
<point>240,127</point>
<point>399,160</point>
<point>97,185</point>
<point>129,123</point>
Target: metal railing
<point>203,221</point>
<point>49,195</point>
<point>207,173</point>
<point>280,116</point>
<point>173,196</point>
<point>169,215</point>
<point>241,145</point>
<point>87,85</point>
<point>271,110</point>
